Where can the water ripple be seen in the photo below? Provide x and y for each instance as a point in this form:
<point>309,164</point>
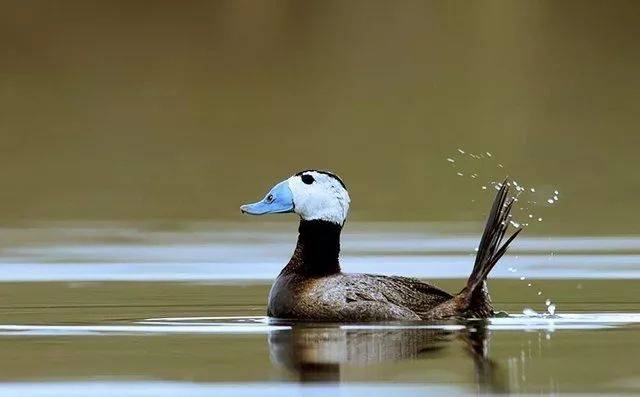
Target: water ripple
<point>264,325</point>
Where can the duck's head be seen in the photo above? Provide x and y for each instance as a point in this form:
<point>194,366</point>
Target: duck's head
<point>312,194</point>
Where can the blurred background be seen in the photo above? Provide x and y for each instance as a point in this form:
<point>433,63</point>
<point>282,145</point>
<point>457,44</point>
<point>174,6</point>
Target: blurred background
<point>135,110</point>
<point>131,132</point>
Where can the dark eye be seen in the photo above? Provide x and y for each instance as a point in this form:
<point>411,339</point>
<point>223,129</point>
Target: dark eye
<point>308,179</point>
<point>269,198</point>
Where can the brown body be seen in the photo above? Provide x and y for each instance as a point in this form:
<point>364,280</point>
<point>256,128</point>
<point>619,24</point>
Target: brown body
<point>312,287</point>
<point>353,297</point>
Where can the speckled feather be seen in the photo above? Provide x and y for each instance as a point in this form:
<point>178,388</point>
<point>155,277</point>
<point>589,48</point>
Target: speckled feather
<point>353,297</point>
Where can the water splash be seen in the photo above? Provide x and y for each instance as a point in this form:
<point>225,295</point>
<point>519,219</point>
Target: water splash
<point>527,197</point>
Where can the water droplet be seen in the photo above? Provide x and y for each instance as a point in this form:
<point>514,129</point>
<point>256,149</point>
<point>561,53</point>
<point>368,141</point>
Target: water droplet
<point>529,285</point>
<point>500,165</point>
<point>450,160</point>
<point>459,173</point>
<point>530,216</point>
<point>522,278</point>
<point>550,201</point>
<point>551,309</point>
<point>488,154</point>
<point>539,219</point>
<point>556,192</point>
<point>461,151</point>
<point>484,188</point>
<point>533,190</point>
<point>547,302</point>
<point>539,293</point>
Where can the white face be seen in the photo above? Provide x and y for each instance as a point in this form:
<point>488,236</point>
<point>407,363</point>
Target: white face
<point>319,196</point>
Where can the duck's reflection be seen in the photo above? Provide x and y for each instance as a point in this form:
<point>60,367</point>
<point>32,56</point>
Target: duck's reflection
<point>319,353</point>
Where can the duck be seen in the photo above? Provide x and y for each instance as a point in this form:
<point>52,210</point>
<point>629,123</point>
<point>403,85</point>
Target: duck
<point>313,287</point>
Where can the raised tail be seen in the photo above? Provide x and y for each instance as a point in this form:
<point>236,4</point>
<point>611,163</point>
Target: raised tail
<point>474,300</point>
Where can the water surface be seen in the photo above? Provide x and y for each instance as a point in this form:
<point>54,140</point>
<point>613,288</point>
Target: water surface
<point>118,309</point>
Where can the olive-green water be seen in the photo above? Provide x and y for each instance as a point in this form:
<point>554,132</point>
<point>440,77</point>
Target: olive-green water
<point>130,133</point>
<point>137,309</point>
<point>100,337</point>
<point>121,110</point>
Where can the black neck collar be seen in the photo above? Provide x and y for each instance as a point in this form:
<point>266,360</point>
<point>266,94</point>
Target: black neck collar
<point>317,250</point>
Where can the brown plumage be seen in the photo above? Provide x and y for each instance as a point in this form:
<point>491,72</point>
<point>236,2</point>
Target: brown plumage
<point>312,286</point>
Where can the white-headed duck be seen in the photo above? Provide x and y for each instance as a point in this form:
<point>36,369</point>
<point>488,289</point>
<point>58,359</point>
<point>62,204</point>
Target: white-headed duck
<point>313,287</point>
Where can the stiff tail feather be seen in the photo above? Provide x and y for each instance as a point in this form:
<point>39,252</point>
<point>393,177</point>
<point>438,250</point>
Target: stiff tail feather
<point>474,299</point>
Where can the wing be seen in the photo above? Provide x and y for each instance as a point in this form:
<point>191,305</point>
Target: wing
<point>404,292</point>
<point>359,297</point>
